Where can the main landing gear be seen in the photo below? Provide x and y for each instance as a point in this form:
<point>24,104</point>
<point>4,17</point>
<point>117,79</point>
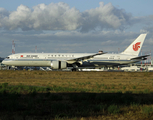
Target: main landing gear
<point>74,69</point>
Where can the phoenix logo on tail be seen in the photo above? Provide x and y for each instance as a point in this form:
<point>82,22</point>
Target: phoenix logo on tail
<point>136,46</point>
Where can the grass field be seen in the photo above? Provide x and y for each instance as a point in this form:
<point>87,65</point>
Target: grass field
<point>60,95</point>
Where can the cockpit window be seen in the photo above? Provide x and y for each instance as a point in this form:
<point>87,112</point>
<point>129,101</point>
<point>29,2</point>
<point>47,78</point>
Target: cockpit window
<point>7,57</point>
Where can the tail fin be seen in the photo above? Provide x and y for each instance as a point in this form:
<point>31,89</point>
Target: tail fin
<point>135,47</point>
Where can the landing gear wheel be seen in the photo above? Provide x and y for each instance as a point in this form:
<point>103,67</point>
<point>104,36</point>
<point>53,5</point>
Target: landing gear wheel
<point>74,69</point>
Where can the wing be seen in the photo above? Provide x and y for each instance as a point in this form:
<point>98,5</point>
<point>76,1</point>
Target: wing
<point>144,57</point>
<point>83,58</point>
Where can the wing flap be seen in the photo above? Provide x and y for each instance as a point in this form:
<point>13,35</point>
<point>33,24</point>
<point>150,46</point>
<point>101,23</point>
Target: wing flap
<point>84,57</point>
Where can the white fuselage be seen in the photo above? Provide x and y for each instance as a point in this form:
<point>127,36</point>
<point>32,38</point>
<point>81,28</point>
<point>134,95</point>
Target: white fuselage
<point>63,60</point>
<point>44,59</point>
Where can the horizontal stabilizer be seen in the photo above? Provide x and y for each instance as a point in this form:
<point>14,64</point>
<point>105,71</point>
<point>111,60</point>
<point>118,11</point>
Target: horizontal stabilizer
<point>144,57</point>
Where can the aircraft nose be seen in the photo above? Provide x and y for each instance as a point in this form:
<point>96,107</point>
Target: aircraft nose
<point>5,62</point>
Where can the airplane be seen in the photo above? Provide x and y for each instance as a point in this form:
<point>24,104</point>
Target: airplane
<point>79,60</point>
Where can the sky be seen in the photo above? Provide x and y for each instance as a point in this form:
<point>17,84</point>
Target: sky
<point>65,26</point>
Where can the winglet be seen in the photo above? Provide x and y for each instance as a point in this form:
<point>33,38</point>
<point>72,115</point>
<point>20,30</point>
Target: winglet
<point>135,47</point>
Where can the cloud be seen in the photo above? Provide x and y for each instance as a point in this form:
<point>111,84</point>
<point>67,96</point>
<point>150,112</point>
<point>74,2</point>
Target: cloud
<point>105,17</point>
<point>59,16</point>
<point>3,12</point>
<point>55,16</point>
<point>59,28</point>
<point>72,41</point>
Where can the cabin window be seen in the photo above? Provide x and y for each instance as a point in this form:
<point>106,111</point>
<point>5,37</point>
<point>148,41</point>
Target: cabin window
<point>111,57</point>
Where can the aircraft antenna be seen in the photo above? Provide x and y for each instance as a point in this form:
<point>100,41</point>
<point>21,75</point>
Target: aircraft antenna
<point>13,47</point>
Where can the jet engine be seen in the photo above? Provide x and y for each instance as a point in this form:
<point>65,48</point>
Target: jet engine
<point>58,64</point>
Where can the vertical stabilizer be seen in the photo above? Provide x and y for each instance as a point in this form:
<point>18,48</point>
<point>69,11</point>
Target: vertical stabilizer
<point>135,47</point>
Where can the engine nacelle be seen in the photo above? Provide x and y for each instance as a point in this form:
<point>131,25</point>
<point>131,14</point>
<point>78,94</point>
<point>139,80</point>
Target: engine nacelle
<point>58,64</point>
